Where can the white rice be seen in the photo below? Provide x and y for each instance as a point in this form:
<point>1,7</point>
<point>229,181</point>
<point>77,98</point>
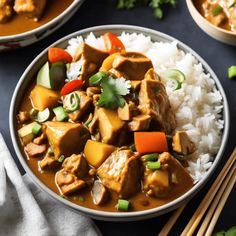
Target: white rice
<point>197,104</point>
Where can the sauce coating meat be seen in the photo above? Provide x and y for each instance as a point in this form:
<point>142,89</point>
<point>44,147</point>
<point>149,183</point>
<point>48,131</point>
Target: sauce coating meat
<point>105,139</point>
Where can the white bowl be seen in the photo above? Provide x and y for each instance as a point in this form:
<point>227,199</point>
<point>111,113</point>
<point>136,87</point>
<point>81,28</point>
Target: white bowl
<point>26,80</point>
<point>217,33</point>
<point>24,39</point>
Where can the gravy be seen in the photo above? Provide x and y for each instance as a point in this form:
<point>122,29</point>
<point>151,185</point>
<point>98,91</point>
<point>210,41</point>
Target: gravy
<point>20,24</point>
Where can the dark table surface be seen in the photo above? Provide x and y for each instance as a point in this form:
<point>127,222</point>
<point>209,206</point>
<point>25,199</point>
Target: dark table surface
<point>177,23</point>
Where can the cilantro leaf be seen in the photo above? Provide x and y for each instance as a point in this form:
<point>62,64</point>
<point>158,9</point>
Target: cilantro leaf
<point>229,232</point>
<point>112,90</point>
<point>156,5</point>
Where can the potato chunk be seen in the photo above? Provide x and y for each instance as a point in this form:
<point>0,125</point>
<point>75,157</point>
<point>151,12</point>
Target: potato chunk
<point>110,124</point>
<point>42,98</point>
<point>66,138</point>
<point>96,153</point>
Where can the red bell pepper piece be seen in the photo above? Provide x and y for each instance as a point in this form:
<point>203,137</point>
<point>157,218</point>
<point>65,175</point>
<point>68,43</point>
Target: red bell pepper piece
<point>71,86</point>
<point>113,43</point>
<point>58,54</point>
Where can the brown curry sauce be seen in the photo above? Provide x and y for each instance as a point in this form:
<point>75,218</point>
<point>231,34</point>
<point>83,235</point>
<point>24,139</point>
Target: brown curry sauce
<point>139,202</point>
<point>19,23</point>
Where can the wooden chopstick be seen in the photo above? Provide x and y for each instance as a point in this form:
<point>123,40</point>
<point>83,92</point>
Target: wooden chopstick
<point>197,216</point>
<point>221,205</point>
<point>169,224</point>
<point>230,179</point>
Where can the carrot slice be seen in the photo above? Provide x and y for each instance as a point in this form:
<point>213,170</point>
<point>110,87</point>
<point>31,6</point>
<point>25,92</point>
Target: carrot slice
<point>58,54</point>
<point>113,43</point>
<point>148,142</point>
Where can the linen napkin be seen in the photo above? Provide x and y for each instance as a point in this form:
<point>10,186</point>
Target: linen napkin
<point>27,211</point>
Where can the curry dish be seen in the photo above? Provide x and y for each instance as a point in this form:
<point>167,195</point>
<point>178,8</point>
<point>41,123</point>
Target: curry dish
<point>221,13</point>
<point>20,16</point>
<point>107,138</point>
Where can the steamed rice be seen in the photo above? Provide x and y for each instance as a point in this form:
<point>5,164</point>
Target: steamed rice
<point>197,105</point>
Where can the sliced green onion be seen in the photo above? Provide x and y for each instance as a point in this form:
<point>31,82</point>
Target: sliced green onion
<point>71,102</point>
<point>61,158</point>
<point>174,74</point>
<point>175,84</point>
<point>232,72</point>
<point>132,148</point>
<point>43,116</point>
<point>217,10</point>
<point>89,120</point>
<point>178,156</point>
<point>153,165</point>
<point>50,151</point>
<point>97,78</point>
<point>81,199</point>
<point>231,3</point>
<point>150,157</point>
<point>34,113</point>
<point>123,205</point>
<point>36,128</point>
<point>60,113</point>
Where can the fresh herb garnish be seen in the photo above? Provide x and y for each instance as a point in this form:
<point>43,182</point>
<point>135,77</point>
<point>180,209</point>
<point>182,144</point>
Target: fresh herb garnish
<point>156,5</point>
<point>231,72</point>
<point>112,90</point>
<point>61,158</point>
<point>229,232</point>
<point>217,10</point>
<point>81,199</point>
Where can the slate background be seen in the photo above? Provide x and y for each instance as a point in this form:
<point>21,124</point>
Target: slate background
<point>177,23</point>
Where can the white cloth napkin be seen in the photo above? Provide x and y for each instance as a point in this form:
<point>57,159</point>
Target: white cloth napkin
<point>27,211</point>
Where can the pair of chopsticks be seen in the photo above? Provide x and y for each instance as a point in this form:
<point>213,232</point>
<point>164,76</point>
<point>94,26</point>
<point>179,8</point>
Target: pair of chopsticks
<point>214,202</point>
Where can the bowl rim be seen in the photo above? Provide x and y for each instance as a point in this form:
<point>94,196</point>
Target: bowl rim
<point>191,3</point>
<point>43,27</point>
<point>127,216</point>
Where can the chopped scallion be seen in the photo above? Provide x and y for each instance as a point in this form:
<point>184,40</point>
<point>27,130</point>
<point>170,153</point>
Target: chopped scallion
<point>71,102</point>
<point>153,165</point>
<point>34,113</point>
<point>217,10</point>
<point>36,129</point>
<point>50,151</point>
<point>123,205</point>
<point>60,113</point>
<point>61,158</point>
<point>81,199</point>
<point>150,157</point>
<point>43,116</point>
<point>232,72</point>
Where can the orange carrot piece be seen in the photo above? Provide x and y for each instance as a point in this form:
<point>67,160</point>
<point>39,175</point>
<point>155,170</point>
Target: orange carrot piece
<point>148,142</point>
<point>58,54</point>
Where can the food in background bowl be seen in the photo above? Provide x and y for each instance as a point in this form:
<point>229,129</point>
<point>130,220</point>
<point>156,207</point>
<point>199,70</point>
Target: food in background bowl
<point>219,13</point>
<point>120,123</point>
<point>35,20</point>
<point>19,16</point>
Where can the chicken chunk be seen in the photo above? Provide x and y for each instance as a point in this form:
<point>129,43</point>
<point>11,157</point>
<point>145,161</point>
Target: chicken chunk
<point>85,103</point>
<point>158,183</point>
<point>208,8</point>
<point>92,60</point>
<point>140,123</point>
<point>48,162</point>
<point>182,143</point>
<point>39,140</point>
<point>6,10</point>
<point>99,193</point>
<point>66,138</point>
<point>76,164</point>
<point>110,125</point>
<point>121,173</point>
<point>33,149</point>
<point>126,113</point>
<point>31,8</point>
<point>68,183</point>
<point>154,101</point>
<point>132,65</point>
